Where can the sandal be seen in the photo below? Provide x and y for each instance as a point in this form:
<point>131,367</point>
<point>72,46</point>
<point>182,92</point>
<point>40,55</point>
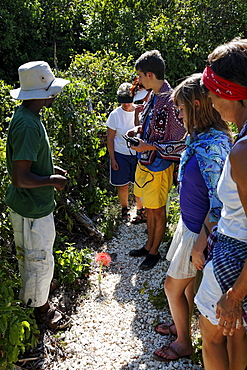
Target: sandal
<point>165,350</point>
<point>125,213</point>
<point>53,319</point>
<point>165,326</point>
<point>140,217</point>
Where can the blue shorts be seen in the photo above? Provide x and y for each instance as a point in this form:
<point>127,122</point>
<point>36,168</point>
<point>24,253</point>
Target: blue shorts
<point>126,172</point>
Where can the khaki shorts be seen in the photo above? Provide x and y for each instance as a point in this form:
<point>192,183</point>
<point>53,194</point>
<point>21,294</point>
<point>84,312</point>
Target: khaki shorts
<point>34,239</point>
<point>156,186</point>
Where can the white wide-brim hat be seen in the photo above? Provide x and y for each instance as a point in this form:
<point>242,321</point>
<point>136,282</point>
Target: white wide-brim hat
<point>37,82</point>
<point>141,94</point>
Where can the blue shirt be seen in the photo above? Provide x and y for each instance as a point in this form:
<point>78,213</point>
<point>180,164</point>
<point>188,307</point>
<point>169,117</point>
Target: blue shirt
<point>194,200</point>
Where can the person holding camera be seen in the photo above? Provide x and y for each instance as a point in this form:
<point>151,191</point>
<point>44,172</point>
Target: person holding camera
<point>160,144</point>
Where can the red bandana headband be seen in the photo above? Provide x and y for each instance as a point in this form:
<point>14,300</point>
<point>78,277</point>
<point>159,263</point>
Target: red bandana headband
<point>221,87</point>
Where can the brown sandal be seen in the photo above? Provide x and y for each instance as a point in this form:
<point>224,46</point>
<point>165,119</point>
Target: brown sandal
<point>166,348</point>
<point>53,319</point>
<point>140,217</point>
<point>165,326</point>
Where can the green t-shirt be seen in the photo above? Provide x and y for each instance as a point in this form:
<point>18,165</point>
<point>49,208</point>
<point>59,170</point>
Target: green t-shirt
<point>27,140</point>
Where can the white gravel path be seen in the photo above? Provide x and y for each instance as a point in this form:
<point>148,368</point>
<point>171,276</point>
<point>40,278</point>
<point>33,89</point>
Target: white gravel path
<point>115,332</point>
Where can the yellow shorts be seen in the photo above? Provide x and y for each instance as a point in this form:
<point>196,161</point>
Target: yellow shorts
<point>155,193</point>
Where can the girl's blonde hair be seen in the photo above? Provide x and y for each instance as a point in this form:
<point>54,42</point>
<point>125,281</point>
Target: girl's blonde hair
<point>206,116</point>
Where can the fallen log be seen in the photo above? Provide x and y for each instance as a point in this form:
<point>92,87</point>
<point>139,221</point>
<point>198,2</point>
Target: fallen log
<point>83,219</point>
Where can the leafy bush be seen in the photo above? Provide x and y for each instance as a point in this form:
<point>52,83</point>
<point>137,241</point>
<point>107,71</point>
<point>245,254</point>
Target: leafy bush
<point>72,264</point>
<point>39,30</point>
<point>56,31</point>
<point>76,126</point>
<point>18,328</point>
<point>185,32</point>
<point>6,110</point>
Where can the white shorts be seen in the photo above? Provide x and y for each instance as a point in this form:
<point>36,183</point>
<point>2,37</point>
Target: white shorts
<point>34,239</point>
<point>180,251</point>
<point>208,294</point>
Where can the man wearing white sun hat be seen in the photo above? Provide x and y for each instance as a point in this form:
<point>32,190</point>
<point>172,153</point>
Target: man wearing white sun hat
<point>30,196</point>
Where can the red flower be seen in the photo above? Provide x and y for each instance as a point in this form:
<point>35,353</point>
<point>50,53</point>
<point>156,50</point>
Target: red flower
<point>103,258</point>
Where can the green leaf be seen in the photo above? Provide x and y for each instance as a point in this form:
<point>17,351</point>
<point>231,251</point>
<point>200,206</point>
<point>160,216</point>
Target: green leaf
<point>14,335</point>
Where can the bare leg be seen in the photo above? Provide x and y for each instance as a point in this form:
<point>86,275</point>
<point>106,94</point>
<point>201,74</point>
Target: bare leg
<point>156,223</point>
<point>236,347</point>
<point>189,293</point>
<point>214,348</point>
<point>123,193</point>
<point>151,228</point>
<point>181,313</point>
<point>138,202</point>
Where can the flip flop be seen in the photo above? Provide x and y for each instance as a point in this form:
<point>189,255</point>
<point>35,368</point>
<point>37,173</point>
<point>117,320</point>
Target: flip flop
<point>165,326</point>
<point>163,359</point>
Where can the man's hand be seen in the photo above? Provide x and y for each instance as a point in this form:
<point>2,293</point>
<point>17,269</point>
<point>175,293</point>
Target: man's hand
<point>229,311</point>
<point>58,181</point>
<point>22,177</point>
<point>60,171</point>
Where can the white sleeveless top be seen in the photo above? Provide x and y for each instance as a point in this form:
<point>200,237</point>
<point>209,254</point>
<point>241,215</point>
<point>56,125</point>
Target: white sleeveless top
<point>233,221</point>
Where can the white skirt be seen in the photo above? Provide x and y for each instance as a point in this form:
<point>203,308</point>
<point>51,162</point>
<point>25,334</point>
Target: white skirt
<point>180,251</point>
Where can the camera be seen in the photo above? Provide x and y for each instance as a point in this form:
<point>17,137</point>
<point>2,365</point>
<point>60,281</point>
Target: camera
<point>131,140</point>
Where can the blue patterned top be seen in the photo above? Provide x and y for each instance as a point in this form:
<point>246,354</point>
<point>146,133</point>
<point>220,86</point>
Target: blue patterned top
<point>211,149</point>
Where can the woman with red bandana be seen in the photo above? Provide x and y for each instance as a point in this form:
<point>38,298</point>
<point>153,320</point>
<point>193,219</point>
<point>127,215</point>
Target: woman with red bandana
<point>222,296</point>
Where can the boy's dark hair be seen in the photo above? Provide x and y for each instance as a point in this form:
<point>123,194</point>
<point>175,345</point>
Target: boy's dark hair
<point>151,61</point>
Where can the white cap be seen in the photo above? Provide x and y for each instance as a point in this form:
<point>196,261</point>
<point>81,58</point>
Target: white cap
<point>140,95</point>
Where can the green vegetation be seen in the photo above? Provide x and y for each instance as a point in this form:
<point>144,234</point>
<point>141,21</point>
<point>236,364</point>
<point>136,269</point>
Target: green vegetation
<point>173,214</point>
<point>72,264</point>
<point>18,327</point>
<point>94,44</point>
<point>56,31</point>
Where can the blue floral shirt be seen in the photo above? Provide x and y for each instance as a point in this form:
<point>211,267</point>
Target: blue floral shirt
<point>211,149</point>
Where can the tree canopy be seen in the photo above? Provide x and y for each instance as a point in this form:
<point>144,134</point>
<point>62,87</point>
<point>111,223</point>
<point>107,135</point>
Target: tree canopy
<point>183,30</point>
